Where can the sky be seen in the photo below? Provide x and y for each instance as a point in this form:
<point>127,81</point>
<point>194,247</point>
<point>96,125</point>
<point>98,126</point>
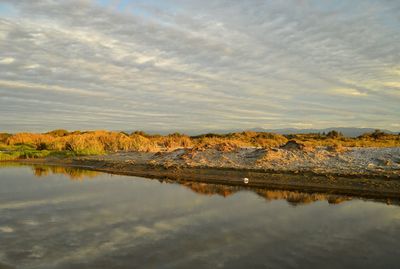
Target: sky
<point>195,65</point>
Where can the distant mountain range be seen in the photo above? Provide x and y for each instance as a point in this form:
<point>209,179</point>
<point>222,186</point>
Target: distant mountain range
<point>346,131</point>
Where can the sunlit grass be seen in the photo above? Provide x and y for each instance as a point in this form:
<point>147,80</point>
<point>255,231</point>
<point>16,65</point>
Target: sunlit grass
<point>61,143</point>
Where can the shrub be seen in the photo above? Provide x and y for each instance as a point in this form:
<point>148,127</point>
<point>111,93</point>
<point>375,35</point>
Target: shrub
<point>378,134</point>
<point>58,133</point>
<point>142,133</point>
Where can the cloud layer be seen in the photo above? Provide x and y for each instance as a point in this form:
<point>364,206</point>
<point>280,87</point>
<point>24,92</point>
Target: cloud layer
<point>198,65</point>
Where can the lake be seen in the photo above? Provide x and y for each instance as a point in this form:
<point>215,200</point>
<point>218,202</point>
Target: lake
<point>55,217</point>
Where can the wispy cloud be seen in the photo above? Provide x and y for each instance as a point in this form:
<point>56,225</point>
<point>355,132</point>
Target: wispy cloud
<point>7,60</point>
<point>349,91</point>
<point>13,85</point>
<point>187,65</point>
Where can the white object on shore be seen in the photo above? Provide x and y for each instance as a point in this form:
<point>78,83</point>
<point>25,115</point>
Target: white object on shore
<point>245,180</point>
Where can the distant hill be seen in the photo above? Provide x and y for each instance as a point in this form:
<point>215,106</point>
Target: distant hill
<point>346,131</point>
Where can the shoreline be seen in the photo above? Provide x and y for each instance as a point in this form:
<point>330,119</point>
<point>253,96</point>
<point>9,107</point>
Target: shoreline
<point>363,185</point>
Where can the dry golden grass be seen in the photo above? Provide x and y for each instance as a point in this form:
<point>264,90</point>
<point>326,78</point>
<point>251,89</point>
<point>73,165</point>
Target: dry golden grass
<point>376,139</point>
<point>100,142</point>
<point>84,143</point>
<point>243,139</point>
<point>172,141</point>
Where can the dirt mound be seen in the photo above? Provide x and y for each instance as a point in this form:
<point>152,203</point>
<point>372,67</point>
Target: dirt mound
<point>293,145</point>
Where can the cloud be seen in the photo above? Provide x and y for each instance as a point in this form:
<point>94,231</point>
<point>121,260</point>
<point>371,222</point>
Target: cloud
<point>34,203</point>
<point>392,84</point>
<point>349,91</point>
<point>201,65</point>
<point>7,60</point>
<point>53,88</point>
<point>6,229</point>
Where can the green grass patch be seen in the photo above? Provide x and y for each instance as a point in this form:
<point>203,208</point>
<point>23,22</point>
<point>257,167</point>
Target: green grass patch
<point>9,156</point>
<point>23,154</point>
<point>15,152</point>
<point>34,154</point>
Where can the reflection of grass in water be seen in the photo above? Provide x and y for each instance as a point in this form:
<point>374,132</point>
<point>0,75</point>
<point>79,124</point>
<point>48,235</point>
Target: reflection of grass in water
<point>72,173</point>
<point>211,189</point>
<point>8,164</point>
<point>46,170</point>
<point>292,197</point>
<point>297,198</point>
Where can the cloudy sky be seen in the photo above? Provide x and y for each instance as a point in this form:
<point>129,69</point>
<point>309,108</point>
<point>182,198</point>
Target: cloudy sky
<point>198,65</point>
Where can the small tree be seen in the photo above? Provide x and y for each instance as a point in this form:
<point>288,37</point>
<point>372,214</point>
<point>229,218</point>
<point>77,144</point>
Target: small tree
<point>377,134</point>
<point>334,134</point>
<point>142,133</point>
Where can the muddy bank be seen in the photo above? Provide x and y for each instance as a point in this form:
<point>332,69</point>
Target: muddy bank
<point>362,172</point>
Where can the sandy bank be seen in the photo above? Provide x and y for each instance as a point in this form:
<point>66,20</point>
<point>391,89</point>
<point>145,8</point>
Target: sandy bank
<point>363,172</point>
<point>365,162</point>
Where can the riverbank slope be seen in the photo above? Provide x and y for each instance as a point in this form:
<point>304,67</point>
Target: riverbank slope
<point>366,172</point>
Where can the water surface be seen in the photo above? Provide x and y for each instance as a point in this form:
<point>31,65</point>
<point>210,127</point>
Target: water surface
<point>54,217</point>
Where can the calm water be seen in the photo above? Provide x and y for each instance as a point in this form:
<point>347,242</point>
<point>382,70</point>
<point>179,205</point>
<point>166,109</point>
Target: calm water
<point>66,218</point>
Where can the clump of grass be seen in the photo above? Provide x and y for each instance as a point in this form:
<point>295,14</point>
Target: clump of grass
<point>173,141</point>
<point>139,142</point>
<point>84,145</point>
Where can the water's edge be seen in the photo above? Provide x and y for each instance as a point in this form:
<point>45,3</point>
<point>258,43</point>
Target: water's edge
<point>384,190</point>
